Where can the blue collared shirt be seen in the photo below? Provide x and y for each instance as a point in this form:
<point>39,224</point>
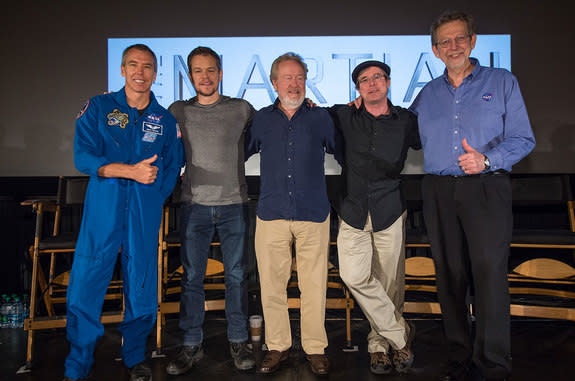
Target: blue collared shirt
<point>292,177</point>
<point>487,109</point>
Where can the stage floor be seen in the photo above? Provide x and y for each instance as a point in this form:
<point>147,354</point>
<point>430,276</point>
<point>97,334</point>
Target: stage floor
<point>542,350</point>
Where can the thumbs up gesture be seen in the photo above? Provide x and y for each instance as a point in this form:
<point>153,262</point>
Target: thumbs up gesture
<point>144,172</point>
<point>472,161</point>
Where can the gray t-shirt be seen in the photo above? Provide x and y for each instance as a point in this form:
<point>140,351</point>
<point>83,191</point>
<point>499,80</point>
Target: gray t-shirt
<point>213,137</point>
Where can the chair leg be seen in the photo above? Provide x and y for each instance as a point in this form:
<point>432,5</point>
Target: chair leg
<point>32,313</point>
<point>51,273</point>
<point>29,347</point>
<point>347,319</point>
<point>349,347</point>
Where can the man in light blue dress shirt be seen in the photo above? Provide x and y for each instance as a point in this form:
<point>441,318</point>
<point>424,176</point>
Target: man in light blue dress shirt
<point>473,127</point>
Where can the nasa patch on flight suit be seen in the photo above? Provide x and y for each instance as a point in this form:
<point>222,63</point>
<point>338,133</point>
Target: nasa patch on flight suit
<point>83,110</point>
<point>152,128</point>
<point>117,118</point>
<point>149,137</point>
<point>154,118</point>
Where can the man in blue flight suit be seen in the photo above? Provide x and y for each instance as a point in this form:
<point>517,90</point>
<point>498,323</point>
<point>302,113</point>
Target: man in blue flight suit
<point>130,146</point>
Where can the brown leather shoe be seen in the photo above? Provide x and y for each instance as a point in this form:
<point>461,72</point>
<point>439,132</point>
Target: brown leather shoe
<point>319,364</point>
<point>272,361</point>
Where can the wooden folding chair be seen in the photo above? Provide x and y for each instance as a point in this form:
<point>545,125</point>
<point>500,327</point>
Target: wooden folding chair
<point>62,216</point>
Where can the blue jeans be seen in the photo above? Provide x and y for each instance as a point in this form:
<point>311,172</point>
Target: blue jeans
<point>197,226</point>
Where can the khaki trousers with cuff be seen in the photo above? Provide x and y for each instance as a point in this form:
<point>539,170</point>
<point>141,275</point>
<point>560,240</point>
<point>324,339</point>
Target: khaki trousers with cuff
<point>372,265</point>
<point>273,244</point>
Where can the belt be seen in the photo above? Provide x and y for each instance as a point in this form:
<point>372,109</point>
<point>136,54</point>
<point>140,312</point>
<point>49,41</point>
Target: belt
<point>499,172</point>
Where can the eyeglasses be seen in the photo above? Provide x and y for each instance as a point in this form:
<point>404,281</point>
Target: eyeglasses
<point>376,78</point>
<point>289,78</point>
<point>459,40</point>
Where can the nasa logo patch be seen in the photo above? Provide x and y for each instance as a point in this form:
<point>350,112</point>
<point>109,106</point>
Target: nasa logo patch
<point>154,118</point>
<point>487,97</point>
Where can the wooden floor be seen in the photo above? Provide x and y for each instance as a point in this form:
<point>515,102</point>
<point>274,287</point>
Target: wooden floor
<point>542,350</point>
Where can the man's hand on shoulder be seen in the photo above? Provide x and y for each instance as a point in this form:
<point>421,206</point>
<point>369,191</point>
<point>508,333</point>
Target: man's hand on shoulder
<point>310,103</point>
<point>356,102</point>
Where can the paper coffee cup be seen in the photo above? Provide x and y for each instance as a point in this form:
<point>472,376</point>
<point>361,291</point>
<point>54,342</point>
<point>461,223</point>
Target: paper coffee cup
<point>256,322</point>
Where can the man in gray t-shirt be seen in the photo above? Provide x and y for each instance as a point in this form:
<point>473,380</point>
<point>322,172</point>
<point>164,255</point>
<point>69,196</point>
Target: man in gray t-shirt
<point>213,136</point>
<point>214,195</point>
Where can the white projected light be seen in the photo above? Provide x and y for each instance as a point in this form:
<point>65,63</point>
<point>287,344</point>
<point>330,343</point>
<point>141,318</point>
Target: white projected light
<point>246,63</point>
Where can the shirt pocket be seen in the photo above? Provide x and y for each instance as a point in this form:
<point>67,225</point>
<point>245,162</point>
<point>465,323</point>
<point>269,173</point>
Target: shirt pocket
<point>390,143</point>
<point>490,115</point>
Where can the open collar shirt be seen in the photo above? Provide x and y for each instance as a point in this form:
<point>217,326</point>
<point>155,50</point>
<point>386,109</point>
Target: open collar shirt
<point>292,176</point>
<point>487,109</point>
<point>375,153</point>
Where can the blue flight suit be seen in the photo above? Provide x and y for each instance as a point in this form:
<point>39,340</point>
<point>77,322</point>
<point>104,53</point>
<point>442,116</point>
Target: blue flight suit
<point>119,213</point>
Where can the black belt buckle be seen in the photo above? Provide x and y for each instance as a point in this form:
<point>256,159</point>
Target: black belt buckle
<point>498,172</point>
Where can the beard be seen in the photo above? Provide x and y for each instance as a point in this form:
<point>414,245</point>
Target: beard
<point>206,94</point>
<point>290,103</point>
<point>462,62</point>
<point>200,91</point>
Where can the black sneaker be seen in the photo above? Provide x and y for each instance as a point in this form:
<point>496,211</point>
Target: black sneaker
<point>380,363</point>
<point>185,359</point>
<point>242,355</point>
<point>140,372</point>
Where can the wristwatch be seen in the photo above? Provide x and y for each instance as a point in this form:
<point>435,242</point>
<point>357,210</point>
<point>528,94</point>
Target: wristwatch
<point>486,163</point>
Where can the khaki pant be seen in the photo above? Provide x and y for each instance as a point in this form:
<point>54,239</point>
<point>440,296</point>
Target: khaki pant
<point>372,265</point>
<point>273,243</point>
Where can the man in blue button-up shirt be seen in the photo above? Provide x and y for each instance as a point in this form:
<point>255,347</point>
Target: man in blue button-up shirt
<point>473,127</point>
<point>293,207</point>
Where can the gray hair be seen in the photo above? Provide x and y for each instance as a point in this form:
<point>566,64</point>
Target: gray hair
<point>286,57</point>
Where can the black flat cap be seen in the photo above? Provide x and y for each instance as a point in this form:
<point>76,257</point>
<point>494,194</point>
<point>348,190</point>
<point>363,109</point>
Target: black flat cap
<point>364,65</point>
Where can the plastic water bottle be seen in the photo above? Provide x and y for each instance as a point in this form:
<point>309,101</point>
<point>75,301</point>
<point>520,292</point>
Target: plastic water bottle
<point>14,307</point>
<point>19,311</point>
<point>18,320</point>
<point>10,313</point>
<point>3,311</point>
